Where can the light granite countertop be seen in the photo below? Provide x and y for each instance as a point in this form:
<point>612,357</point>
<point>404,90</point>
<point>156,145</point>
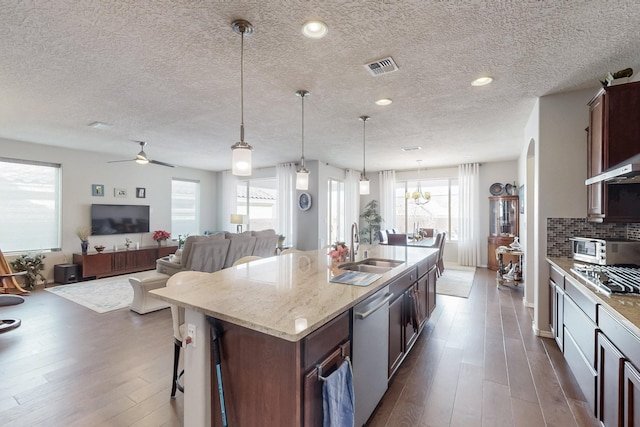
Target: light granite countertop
<point>287,296</point>
<point>625,308</point>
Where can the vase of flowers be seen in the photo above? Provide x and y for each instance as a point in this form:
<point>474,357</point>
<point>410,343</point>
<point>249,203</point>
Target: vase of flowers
<point>338,252</point>
<point>161,236</point>
<point>83,234</point>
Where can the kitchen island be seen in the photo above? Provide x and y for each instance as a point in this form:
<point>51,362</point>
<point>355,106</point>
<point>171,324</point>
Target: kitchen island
<point>280,318</point>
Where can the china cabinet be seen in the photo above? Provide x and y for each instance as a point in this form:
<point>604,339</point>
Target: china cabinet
<point>503,227</point>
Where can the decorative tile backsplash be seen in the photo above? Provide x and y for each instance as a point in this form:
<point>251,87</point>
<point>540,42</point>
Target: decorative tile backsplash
<point>560,230</point>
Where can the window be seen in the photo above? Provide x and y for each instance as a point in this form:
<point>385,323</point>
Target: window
<point>257,201</point>
<point>30,214</point>
<point>185,207</point>
<point>440,213</point>
<point>336,232</point>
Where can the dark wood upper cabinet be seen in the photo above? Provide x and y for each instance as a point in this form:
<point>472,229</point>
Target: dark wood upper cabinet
<point>614,136</point>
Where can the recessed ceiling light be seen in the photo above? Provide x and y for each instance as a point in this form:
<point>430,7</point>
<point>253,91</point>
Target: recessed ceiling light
<point>315,29</point>
<point>100,125</point>
<point>384,101</point>
<point>481,81</point>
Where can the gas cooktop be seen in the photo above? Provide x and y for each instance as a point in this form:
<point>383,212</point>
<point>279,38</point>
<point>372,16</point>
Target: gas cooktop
<point>611,279</point>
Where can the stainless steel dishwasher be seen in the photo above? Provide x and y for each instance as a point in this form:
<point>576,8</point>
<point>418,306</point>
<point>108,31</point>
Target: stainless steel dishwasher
<point>370,356</point>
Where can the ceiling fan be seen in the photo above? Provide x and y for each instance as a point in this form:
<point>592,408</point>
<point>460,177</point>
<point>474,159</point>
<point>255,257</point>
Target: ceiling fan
<point>142,159</point>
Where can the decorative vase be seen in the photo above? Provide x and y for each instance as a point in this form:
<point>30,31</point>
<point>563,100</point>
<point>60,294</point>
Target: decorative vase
<point>84,245</point>
<point>159,242</point>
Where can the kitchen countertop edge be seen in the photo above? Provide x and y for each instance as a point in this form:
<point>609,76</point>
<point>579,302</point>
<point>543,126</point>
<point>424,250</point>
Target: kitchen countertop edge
<point>626,309</point>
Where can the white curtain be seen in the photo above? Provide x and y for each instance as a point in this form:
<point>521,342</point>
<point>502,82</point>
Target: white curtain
<point>387,199</point>
<point>469,236</point>
<point>285,178</point>
<point>352,198</point>
<point>229,199</point>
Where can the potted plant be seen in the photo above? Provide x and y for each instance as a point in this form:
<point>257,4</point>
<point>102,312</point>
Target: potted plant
<point>33,265</point>
<point>372,218</point>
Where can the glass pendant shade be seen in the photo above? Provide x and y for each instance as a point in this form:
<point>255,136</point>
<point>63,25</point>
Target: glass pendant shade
<point>241,159</point>
<point>364,185</point>
<point>302,179</point>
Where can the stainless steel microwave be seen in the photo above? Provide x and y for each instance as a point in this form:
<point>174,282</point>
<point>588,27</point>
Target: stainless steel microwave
<point>605,251</point>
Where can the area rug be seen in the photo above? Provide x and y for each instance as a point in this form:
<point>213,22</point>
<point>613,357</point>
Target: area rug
<point>456,280</point>
<point>102,295</point>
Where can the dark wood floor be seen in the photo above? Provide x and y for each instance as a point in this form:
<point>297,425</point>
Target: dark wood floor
<point>477,363</point>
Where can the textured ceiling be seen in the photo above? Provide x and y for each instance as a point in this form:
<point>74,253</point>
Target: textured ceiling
<point>168,72</point>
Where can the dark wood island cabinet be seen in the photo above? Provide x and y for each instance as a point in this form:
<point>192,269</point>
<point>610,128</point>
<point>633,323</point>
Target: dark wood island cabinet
<point>282,322</point>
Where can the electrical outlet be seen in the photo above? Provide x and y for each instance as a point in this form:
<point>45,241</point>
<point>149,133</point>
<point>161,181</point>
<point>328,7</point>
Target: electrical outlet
<point>191,332</point>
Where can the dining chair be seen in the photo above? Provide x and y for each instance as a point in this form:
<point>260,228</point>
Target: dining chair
<point>427,232</point>
<point>440,264</point>
<point>397,239</point>
<point>382,237</point>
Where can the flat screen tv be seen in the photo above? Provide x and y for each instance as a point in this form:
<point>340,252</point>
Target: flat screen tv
<point>119,219</point>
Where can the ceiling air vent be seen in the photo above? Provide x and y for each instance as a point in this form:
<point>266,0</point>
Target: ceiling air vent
<point>416,148</point>
<point>382,66</point>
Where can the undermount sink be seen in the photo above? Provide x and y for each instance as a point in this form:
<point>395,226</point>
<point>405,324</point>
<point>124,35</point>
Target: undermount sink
<point>372,265</point>
<point>381,262</point>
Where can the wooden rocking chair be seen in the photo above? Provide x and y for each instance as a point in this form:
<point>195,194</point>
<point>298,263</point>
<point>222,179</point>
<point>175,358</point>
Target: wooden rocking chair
<point>8,278</point>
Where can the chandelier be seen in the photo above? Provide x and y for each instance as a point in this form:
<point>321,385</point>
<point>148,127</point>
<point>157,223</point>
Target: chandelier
<point>418,196</point>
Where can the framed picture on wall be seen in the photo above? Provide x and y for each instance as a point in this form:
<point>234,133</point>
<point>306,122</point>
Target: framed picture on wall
<point>304,201</point>
<point>97,190</point>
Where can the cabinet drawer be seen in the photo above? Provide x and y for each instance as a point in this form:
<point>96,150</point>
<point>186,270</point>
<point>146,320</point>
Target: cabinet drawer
<point>585,375</point>
<point>320,343</point>
<point>626,341</point>
<point>426,264</point>
<point>399,285</point>
<point>585,303</point>
<point>556,276</point>
<point>582,329</point>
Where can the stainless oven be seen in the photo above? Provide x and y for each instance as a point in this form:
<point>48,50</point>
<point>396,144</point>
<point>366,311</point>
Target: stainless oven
<point>605,251</point>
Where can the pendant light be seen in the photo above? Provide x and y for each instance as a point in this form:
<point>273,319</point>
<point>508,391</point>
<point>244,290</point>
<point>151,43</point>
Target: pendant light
<point>302,173</point>
<point>241,154</point>
<point>364,181</point>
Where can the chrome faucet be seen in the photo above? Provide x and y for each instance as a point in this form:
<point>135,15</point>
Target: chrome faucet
<point>355,242</point>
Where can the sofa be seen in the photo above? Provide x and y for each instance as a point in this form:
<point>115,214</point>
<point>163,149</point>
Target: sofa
<point>217,251</point>
<point>207,254</point>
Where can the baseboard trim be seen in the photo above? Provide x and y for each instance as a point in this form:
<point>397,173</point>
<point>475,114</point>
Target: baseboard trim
<point>539,333</point>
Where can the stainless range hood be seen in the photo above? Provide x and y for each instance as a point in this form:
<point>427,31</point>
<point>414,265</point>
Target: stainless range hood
<point>627,172</point>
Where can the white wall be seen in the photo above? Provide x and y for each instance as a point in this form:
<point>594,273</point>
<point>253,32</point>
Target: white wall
<point>81,169</point>
<point>560,172</point>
